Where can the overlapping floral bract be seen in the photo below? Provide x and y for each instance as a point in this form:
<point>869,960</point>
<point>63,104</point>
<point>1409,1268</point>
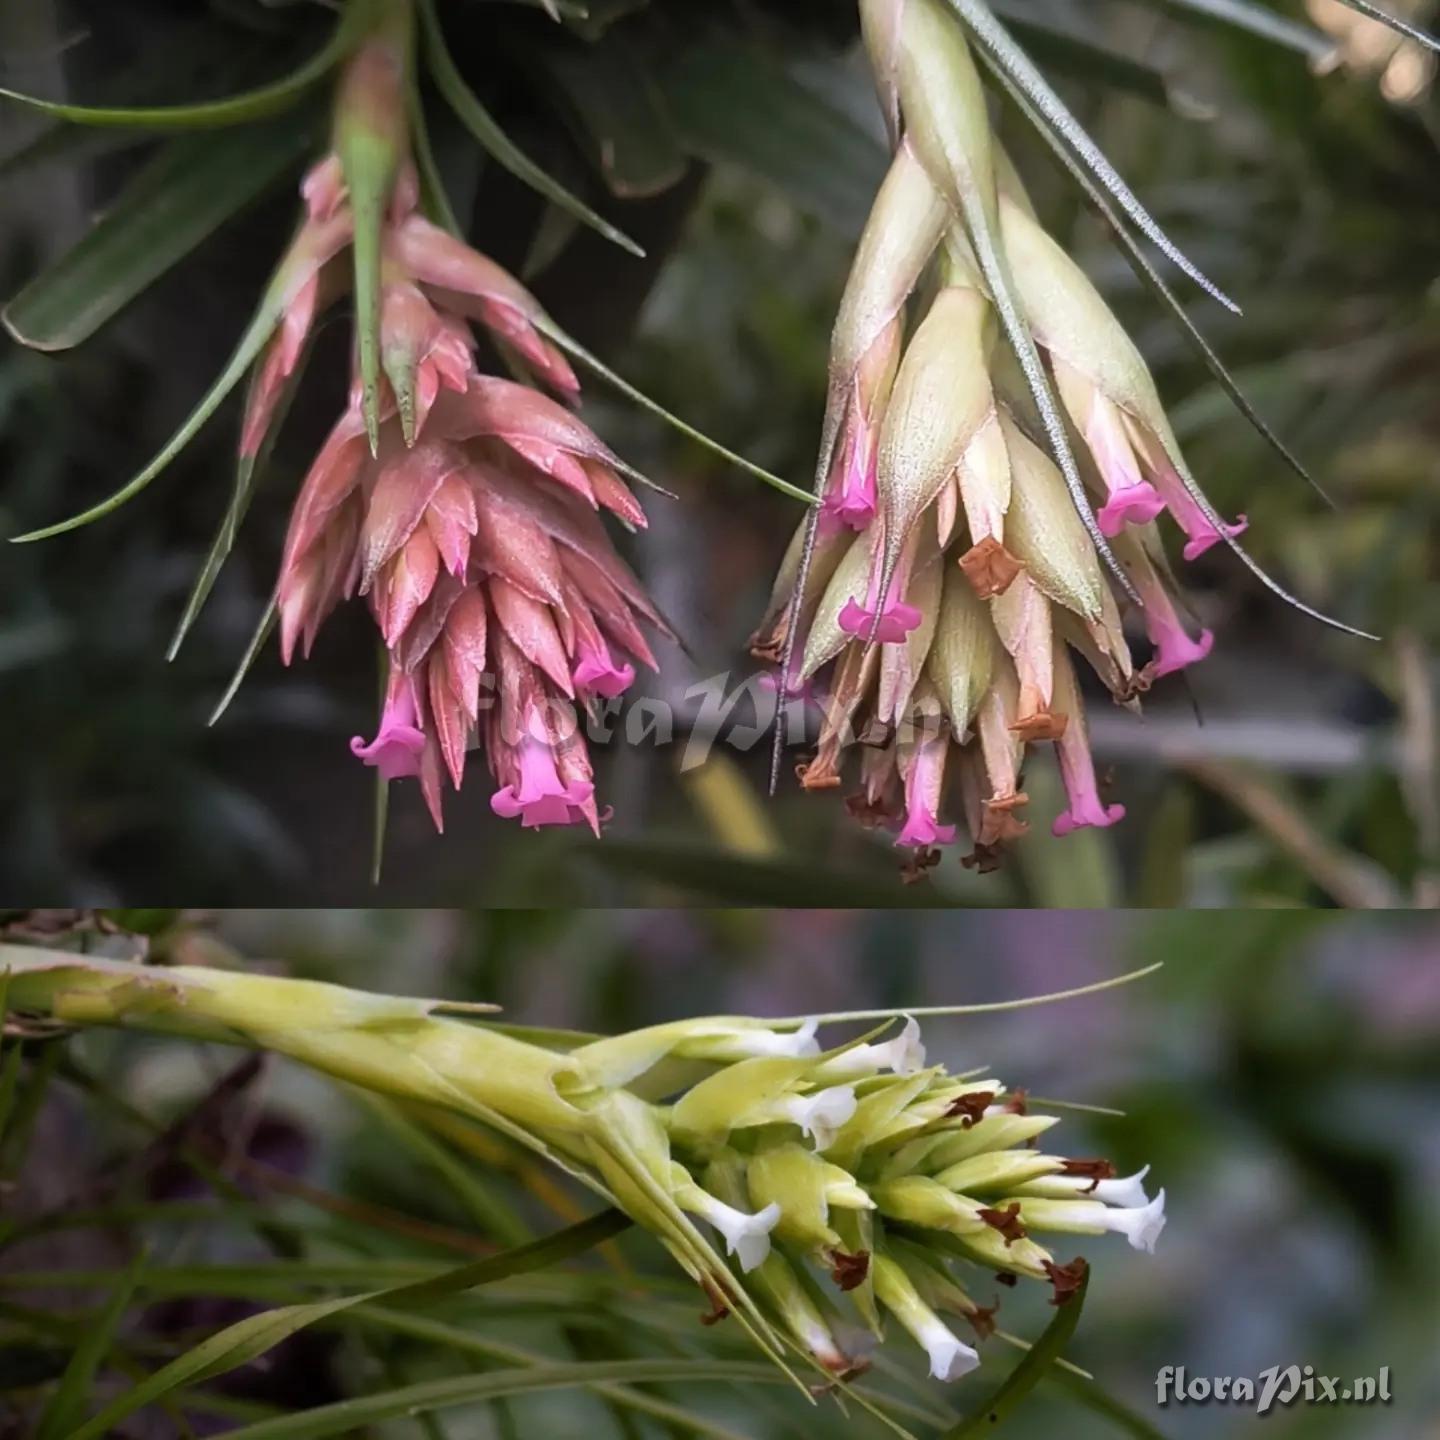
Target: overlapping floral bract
<point>952,581</point>
<point>465,508</point>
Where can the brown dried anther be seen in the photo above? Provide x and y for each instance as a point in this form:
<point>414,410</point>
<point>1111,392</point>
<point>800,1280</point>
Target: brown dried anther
<point>1006,1221</point>
<point>872,814</point>
<point>1094,1170</point>
<point>1006,1279</point>
<point>1067,1279</point>
<point>719,1303</point>
<point>1040,725</point>
<point>848,1271</point>
<point>971,1107</point>
<point>990,568</point>
<point>816,775</point>
<point>920,862</point>
<point>985,859</point>
<point>982,1319</point>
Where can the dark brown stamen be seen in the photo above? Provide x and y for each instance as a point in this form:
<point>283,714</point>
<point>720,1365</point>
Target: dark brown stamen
<point>719,1303</point>
<point>1096,1170</point>
<point>971,1107</point>
<point>1017,1102</point>
<point>1067,1279</point>
<point>989,567</point>
<point>1007,1279</point>
<point>915,868</point>
<point>1006,1221</point>
<point>982,1319</point>
<point>848,1271</point>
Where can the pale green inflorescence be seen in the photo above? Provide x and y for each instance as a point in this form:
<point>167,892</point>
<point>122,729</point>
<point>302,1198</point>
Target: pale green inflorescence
<point>810,1192</point>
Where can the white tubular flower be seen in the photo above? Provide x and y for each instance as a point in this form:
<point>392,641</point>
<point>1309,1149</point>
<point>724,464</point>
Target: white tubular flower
<point>1139,1224</point>
<point>747,1237</point>
<point>821,1115</point>
<point>904,1055</point>
<point>1125,1190</point>
<point>950,1357</point>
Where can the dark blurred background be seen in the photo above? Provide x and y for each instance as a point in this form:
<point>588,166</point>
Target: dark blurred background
<point>1280,1074</point>
<point>740,143</point>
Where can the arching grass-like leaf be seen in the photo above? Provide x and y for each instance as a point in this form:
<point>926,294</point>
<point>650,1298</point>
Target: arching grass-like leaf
<point>995,40</point>
<point>572,346</point>
<point>254,104</point>
<point>481,124</point>
<point>1038,1362</point>
<point>62,1415</point>
<point>346,1415</point>
<point>257,643</point>
<point>1401,27</point>
<point>250,1338</point>
<point>192,186</point>
<point>1150,277</point>
<point>248,470</point>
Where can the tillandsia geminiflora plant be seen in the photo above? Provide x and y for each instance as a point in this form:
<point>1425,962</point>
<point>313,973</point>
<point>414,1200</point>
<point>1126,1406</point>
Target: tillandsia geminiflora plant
<point>847,1186</point>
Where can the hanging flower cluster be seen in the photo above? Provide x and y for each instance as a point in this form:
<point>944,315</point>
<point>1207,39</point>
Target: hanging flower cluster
<point>464,508</point>
<point>847,1184</point>
<point>950,580</point>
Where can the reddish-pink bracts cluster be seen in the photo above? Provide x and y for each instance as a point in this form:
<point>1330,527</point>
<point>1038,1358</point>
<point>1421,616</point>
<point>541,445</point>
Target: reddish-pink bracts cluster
<point>473,530</point>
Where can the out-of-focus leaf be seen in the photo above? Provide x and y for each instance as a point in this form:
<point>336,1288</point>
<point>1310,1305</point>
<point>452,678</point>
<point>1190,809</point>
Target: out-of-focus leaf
<point>193,186</point>
<point>254,104</point>
<point>1039,1362</point>
<point>250,1338</point>
<point>344,1416</point>
<point>478,120</point>
<point>707,871</point>
<point>736,105</point>
<point>618,115</point>
<point>1258,20</point>
<point>1095,1398</point>
<point>1083,58</point>
<point>67,1405</point>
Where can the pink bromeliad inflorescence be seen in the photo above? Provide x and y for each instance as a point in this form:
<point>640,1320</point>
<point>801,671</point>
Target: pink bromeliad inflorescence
<point>949,588</point>
<point>472,525</point>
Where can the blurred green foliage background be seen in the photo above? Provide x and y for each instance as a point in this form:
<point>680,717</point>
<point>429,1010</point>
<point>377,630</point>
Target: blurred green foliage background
<point>1280,1074</point>
<point>741,143</point>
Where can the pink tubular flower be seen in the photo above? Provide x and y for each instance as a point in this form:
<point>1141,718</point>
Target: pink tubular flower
<point>924,785</point>
<point>395,751</point>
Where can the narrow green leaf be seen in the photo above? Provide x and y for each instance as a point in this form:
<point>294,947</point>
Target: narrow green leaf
<point>1401,27</point>
<point>67,1405</point>
<point>248,470</point>
<point>193,186</point>
<point>257,333</point>
<point>348,1415</point>
<point>250,1338</point>
<point>1149,276</point>
<point>1038,1362</point>
<point>1259,20</point>
<point>237,109</point>
<point>1098,1400</point>
<point>573,347</point>
<point>478,120</point>
<point>997,41</point>
<point>257,642</point>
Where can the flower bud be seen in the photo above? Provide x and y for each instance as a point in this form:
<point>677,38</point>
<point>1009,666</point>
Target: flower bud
<point>804,1187</point>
